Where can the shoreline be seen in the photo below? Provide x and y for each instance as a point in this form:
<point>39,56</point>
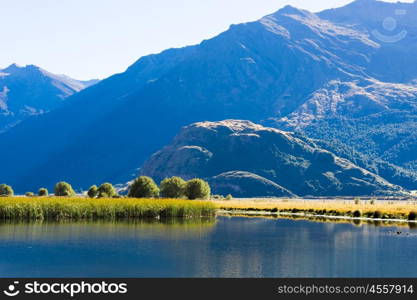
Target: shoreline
<point>310,217</point>
<point>332,209</point>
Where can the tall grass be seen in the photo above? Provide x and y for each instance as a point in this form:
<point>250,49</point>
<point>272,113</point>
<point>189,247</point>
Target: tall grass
<point>57,208</point>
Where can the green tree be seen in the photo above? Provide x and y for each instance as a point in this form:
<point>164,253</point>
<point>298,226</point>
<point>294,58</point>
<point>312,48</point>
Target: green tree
<point>63,189</point>
<point>92,191</point>
<point>29,194</point>
<point>143,187</point>
<point>43,192</point>
<point>106,190</point>
<point>197,189</point>
<point>6,190</point>
<point>173,187</point>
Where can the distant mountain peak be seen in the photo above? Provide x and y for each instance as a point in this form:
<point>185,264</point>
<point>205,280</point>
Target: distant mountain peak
<point>16,69</point>
<point>292,10</point>
<point>289,9</point>
<point>12,67</point>
<point>31,69</point>
<point>30,90</point>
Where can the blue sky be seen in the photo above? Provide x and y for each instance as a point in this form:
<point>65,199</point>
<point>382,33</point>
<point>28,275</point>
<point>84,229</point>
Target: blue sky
<point>96,38</point>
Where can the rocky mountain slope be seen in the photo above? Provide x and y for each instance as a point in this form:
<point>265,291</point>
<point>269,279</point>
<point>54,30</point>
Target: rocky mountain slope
<point>393,26</point>
<point>377,119</point>
<point>249,160</point>
<point>372,117</point>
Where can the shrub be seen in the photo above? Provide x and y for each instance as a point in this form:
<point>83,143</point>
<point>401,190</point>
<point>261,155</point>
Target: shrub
<point>229,197</point>
<point>357,201</point>
<point>106,190</point>
<point>92,191</point>
<point>6,190</point>
<point>377,214</point>
<point>43,192</point>
<point>412,216</point>
<point>143,187</point>
<point>173,187</point>
<point>29,194</point>
<point>372,201</point>
<point>197,189</point>
<point>63,189</point>
<point>369,214</point>
<point>357,214</point>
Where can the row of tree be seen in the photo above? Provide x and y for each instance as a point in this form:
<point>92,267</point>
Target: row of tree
<point>174,187</point>
<point>141,187</point>
<point>61,189</point>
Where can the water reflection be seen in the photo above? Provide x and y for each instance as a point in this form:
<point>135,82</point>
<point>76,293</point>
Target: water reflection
<point>135,229</point>
<point>228,247</point>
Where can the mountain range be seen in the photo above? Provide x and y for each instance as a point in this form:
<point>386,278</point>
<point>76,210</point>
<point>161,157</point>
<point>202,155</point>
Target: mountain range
<point>30,90</point>
<point>343,79</point>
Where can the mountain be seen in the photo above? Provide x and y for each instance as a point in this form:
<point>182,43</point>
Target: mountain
<point>28,91</point>
<point>264,71</point>
<point>392,26</point>
<point>374,117</point>
<point>248,160</point>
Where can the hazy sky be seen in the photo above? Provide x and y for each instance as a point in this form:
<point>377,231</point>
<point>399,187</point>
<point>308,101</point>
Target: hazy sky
<point>96,38</point>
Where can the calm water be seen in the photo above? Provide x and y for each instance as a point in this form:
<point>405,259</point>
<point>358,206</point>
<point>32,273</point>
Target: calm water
<point>226,247</point>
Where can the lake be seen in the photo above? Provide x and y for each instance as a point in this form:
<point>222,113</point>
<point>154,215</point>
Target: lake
<point>224,247</point>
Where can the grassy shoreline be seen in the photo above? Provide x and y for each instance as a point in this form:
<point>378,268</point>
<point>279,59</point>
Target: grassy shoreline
<point>380,210</point>
<point>60,208</point>
<point>80,208</point>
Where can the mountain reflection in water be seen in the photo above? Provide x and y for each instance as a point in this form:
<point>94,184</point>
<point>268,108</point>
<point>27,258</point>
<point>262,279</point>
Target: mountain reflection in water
<point>222,247</point>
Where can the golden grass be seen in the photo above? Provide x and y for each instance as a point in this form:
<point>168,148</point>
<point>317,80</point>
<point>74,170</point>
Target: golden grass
<point>59,208</point>
<point>387,209</point>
